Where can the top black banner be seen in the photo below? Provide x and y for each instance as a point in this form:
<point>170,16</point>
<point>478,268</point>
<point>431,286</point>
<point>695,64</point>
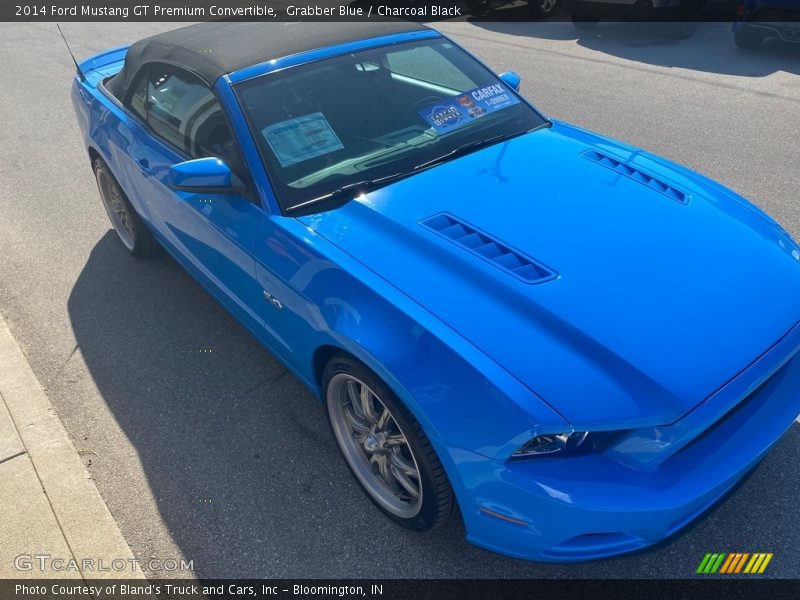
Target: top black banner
<point>418,10</point>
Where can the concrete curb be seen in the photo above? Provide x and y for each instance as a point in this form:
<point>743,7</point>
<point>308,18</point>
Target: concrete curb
<point>85,523</point>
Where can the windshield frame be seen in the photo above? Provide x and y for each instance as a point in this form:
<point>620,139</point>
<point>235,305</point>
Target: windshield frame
<point>279,67</point>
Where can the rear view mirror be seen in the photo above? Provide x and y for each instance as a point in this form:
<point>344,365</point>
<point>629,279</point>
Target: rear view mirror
<point>511,79</point>
<point>203,176</point>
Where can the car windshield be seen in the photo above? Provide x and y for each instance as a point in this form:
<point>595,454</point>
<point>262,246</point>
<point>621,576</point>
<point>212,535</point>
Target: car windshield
<point>356,119</point>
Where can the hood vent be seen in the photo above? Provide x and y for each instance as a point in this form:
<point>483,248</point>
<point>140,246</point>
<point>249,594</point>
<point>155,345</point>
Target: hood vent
<point>641,177</point>
<point>488,248</point>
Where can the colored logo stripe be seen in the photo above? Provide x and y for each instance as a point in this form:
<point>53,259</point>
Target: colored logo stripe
<point>727,564</point>
<point>711,563</point>
<point>758,563</point>
<point>734,563</point>
<point>723,562</point>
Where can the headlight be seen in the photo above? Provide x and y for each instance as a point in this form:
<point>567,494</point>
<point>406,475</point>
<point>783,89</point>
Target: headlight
<point>551,443</point>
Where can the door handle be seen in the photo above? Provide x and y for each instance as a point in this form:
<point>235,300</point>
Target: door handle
<point>144,165</point>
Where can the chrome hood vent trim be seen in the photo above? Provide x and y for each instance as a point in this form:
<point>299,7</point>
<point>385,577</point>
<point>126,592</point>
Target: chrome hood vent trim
<point>488,248</point>
<point>640,176</point>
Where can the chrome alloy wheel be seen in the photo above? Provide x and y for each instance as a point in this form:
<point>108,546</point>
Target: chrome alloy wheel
<point>117,208</point>
<point>374,446</point>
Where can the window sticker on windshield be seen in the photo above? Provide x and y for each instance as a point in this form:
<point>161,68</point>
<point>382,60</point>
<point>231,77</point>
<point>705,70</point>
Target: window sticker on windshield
<point>473,104</point>
<point>301,138</point>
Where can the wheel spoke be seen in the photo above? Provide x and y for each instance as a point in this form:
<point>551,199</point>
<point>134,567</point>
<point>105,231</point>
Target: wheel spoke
<point>396,439</point>
<point>405,482</point>
<point>123,217</point>
<point>383,420</point>
<point>403,472</point>
<point>367,405</point>
<point>356,424</point>
<point>352,396</point>
<point>403,465</point>
<point>383,467</point>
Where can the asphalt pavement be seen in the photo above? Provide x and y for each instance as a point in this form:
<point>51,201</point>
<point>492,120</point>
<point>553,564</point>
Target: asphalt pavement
<point>201,444</point>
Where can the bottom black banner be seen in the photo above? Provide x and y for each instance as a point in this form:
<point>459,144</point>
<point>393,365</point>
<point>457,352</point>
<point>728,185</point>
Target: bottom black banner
<point>401,589</point>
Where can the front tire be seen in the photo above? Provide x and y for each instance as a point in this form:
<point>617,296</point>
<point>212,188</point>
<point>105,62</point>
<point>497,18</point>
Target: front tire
<point>133,234</point>
<point>385,447</point>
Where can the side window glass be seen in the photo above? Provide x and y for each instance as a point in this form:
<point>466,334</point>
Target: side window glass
<point>138,99</point>
<point>183,111</point>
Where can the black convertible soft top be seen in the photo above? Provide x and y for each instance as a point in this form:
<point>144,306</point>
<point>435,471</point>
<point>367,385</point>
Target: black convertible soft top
<point>210,50</point>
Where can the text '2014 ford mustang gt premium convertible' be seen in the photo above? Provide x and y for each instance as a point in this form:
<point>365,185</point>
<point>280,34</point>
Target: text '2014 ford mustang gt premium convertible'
<point>581,344</point>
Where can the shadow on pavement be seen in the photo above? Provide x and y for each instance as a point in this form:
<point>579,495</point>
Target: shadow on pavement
<point>236,452</point>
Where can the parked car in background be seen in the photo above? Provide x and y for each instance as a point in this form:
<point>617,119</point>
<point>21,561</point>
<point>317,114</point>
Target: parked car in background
<point>684,13</point>
<point>758,20</point>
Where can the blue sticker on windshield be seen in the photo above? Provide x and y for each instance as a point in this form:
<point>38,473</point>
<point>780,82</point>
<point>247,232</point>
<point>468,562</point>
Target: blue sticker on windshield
<point>472,104</point>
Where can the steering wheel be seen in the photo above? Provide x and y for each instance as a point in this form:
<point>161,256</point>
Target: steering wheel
<point>414,108</point>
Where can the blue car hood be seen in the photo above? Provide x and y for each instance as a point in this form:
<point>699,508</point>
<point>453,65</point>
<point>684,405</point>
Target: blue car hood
<point>663,291</point>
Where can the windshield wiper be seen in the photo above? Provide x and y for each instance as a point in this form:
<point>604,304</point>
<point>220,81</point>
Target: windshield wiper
<point>467,148</point>
<point>350,190</point>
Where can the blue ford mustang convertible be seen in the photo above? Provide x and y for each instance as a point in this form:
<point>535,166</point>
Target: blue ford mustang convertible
<point>579,344</point>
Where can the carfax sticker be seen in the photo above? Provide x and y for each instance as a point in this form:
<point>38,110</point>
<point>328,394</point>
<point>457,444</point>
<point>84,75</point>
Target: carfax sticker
<point>472,104</point>
<point>301,138</point>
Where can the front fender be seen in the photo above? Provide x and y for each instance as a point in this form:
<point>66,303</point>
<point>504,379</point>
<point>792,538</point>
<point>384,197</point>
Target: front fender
<point>469,408</point>
<point>461,397</point>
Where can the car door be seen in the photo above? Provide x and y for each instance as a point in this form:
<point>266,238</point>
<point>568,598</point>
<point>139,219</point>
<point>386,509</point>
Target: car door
<point>212,234</point>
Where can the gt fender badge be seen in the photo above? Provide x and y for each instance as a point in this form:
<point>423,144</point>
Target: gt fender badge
<point>273,300</point>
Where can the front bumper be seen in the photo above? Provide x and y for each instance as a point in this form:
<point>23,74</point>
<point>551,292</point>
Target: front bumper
<point>594,506</point>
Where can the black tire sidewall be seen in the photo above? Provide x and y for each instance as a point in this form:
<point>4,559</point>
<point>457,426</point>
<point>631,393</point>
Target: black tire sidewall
<point>429,514</point>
